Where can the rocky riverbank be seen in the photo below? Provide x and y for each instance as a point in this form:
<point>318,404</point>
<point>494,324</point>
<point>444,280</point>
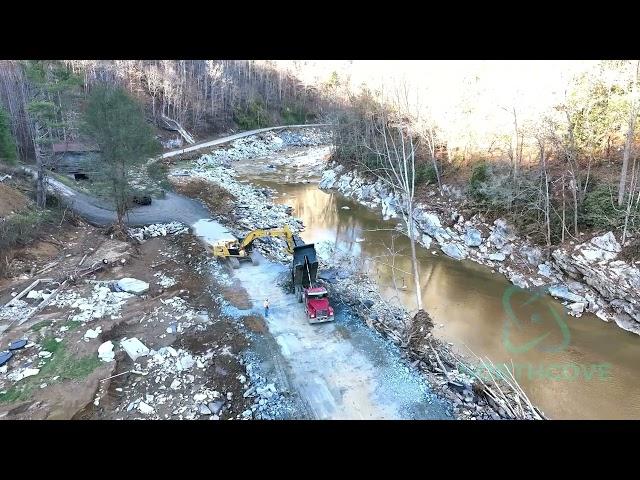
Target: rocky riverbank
<point>587,276</point>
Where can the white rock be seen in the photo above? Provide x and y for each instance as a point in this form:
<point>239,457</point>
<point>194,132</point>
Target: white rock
<point>199,397</point>
<point>426,240</point>
<point>132,285</point>
<point>454,251</point>
<point>497,257</point>
<point>134,348</point>
<point>175,385</point>
<point>18,375</point>
<point>145,409</point>
<point>473,237</point>
<point>93,333</point>
<point>560,291</point>
<point>35,294</point>
<point>607,242</point>
<point>105,352</point>
<point>185,362</point>
<point>577,307</point>
<point>544,269</point>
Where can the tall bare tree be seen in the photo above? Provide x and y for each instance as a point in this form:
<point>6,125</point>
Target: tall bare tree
<point>393,145</point>
<point>633,113</point>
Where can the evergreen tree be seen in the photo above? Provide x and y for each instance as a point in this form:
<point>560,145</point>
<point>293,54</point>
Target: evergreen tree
<point>116,122</point>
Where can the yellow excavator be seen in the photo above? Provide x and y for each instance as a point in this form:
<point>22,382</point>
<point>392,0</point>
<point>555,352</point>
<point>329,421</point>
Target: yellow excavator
<point>234,251</point>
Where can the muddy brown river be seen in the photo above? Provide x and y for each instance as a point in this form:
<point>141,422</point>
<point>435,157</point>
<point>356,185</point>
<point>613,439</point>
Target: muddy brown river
<point>572,368</point>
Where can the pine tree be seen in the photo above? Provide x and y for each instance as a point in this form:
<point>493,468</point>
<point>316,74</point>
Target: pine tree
<point>116,122</point>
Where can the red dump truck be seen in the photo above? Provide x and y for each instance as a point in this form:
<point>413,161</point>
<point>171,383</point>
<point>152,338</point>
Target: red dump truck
<point>304,270</point>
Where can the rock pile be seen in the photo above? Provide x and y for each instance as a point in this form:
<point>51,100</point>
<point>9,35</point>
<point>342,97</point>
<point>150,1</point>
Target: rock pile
<point>103,302</point>
<point>262,145</point>
<point>599,281</point>
<point>157,230</point>
<point>254,209</point>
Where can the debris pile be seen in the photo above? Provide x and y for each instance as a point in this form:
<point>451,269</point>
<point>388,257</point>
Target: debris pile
<point>157,230</point>
<point>103,302</point>
<point>269,403</point>
<point>177,386</point>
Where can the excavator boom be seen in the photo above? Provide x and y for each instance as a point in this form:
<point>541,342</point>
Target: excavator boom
<point>284,232</point>
<point>233,251</point>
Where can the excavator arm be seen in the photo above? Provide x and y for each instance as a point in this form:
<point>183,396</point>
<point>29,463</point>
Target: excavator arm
<point>284,232</point>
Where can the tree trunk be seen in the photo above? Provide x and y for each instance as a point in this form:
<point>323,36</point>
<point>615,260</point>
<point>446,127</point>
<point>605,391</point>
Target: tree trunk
<point>414,259</point>
<point>629,142</point>
<point>626,155</point>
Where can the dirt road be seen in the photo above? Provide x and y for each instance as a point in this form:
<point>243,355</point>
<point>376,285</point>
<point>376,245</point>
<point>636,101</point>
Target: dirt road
<point>172,208</point>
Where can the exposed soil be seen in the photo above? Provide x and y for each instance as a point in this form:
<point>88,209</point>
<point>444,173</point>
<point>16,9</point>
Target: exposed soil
<point>11,201</point>
<point>219,200</point>
<point>255,323</point>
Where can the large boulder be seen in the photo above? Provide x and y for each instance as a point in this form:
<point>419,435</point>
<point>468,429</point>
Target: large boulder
<point>328,180</point>
<point>425,240</point>
<point>605,247</point>
<point>562,292</point>
<point>454,251</point>
<point>501,234</point>
<point>497,257</point>
<point>473,237</point>
<point>430,224</point>
<point>134,348</point>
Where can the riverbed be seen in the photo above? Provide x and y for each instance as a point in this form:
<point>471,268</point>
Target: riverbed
<point>572,368</point>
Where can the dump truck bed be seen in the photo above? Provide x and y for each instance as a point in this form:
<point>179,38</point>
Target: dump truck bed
<point>304,266</point>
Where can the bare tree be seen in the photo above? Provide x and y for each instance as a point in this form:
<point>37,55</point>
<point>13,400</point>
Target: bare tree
<point>633,113</point>
<point>394,148</point>
<point>630,209</point>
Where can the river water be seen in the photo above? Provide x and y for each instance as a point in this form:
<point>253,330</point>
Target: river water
<point>572,368</point>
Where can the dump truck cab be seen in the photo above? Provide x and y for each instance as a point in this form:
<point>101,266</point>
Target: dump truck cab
<point>317,306</point>
<point>304,270</point>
